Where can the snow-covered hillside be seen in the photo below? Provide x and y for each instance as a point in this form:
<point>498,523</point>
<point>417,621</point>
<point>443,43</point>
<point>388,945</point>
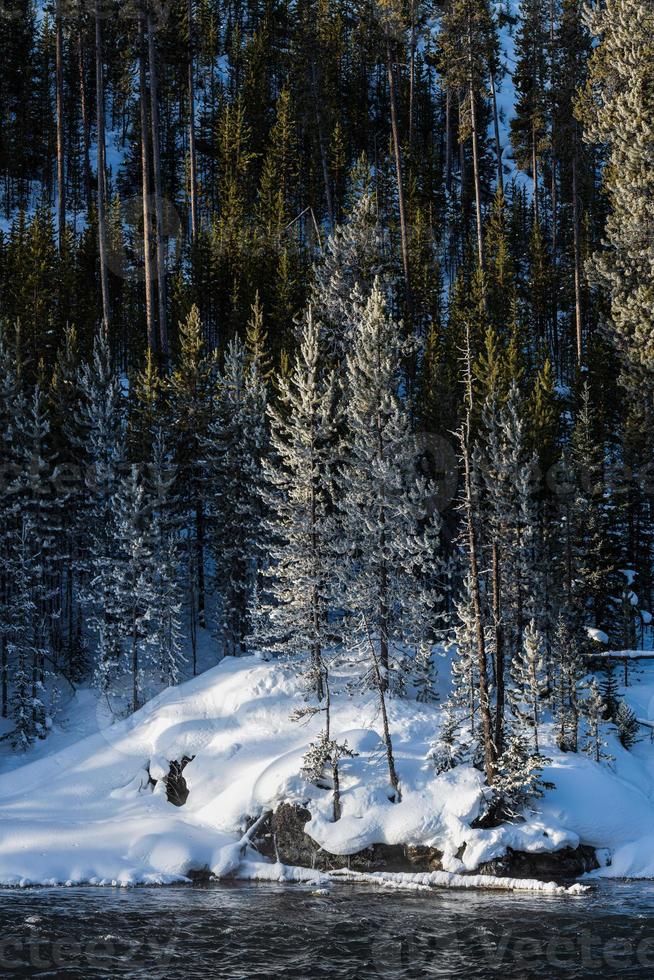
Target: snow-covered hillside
<point>88,811</point>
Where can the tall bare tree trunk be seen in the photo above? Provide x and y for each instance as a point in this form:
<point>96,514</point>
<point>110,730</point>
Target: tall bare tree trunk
<point>448,140</point>
<point>193,174</point>
<point>412,72</point>
<point>496,127</point>
<point>577,250</point>
<point>397,152</point>
<point>148,224</point>
<point>102,217</point>
<point>499,653</point>
<point>61,177</point>
<point>158,198</point>
<point>534,170</point>
<point>475,163</point>
<point>86,122</point>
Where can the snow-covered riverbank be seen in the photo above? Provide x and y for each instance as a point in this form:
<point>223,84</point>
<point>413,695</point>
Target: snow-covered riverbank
<point>83,807</point>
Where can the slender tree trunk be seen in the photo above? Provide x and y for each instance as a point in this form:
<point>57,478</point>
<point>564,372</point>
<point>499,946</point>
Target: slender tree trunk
<point>337,790</point>
<point>191,131</point>
<point>148,224</point>
<point>448,140</point>
<point>577,251</point>
<point>61,176</point>
<point>397,152</point>
<point>496,127</point>
<point>135,666</point>
<point>158,198</point>
<point>102,218</point>
<point>86,123</point>
<point>555,262</point>
<point>412,73</point>
<point>199,553</point>
<point>499,653</point>
<point>322,146</point>
<point>534,170</point>
<point>388,744</point>
<point>477,181</point>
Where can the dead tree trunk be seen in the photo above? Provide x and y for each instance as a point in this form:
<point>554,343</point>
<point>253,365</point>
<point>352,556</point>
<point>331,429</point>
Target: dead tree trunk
<point>102,215</point>
<point>496,127</point>
<point>577,251</point>
<point>191,132</point>
<point>146,192</point>
<point>86,123</point>
<point>158,198</point>
<point>61,177</point>
<point>397,153</point>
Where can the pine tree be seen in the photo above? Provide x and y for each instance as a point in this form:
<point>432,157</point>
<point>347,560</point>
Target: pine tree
<point>518,779</point>
<point>617,109</point>
<point>189,396</point>
<point>98,432</point>
<point>568,673</point>
<point>299,495</point>
<point>387,545</point>
<point>529,130</point>
<point>626,724</point>
<point>353,258</point>
<point>234,447</point>
<point>528,667</point>
<point>594,711</point>
<point>25,651</point>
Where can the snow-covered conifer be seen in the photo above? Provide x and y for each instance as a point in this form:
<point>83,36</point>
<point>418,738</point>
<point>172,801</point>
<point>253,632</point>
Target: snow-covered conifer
<point>528,668</point>
<point>594,711</point>
<point>353,257</point>
<point>301,580</point>
<point>388,541</point>
<point>234,448</point>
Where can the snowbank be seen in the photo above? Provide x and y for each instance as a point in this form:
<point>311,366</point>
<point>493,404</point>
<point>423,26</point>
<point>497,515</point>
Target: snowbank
<point>89,811</point>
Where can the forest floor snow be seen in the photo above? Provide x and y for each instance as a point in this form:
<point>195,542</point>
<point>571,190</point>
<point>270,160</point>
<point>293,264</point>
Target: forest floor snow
<point>81,806</point>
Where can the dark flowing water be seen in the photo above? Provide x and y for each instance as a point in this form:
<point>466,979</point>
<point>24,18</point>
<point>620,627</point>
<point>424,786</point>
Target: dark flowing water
<point>250,931</point>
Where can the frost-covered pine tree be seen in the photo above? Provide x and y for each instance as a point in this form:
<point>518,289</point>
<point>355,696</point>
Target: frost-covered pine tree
<point>99,437</point>
<point>12,406</point>
<point>445,752</point>
<point>594,711</point>
<point>131,591</point>
<point>353,257</point>
<point>508,532</point>
<point>617,108</point>
<point>41,506</point>
<point>234,449</point>
<point>518,777</point>
<point>300,584</point>
<point>568,673</point>
<point>388,541</point>
<point>25,652</point>
<point>528,668</point>
<point>165,635</point>
<point>626,724</point>
<point>464,663</point>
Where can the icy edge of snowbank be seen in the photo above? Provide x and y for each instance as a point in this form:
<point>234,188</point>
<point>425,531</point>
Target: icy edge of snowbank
<point>411,881</point>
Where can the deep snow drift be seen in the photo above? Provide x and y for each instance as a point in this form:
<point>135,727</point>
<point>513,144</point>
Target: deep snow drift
<point>87,811</point>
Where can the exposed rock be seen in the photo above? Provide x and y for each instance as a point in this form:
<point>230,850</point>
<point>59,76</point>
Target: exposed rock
<point>283,838</point>
<point>569,862</point>
<point>176,789</point>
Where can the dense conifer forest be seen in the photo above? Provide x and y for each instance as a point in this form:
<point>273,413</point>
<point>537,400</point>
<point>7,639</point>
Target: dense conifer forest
<point>327,331</point>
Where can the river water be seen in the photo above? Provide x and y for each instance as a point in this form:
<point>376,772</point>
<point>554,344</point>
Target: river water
<point>269,930</point>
